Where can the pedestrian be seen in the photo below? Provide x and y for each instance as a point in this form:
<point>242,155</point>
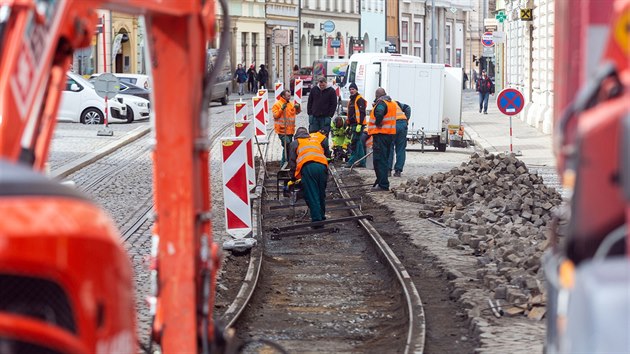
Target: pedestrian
<point>296,70</point>
<point>251,79</point>
<point>321,106</point>
<point>284,112</point>
<point>464,79</point>
<point>262,77</point>
<point>485,87</point>
<point>340,138</point>
<point>399,145</point>
<point>308,161</point>
<point>382,128</point>
<point>356,121</point>
<point>240,76</point>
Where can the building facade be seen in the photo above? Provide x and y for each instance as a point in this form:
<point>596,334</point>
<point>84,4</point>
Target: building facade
<point>326,27</point>
<point>529,56</point>
<point>248,32</point>
<point>373,25</point>
<point>392,25</point>
<point>281,38</point>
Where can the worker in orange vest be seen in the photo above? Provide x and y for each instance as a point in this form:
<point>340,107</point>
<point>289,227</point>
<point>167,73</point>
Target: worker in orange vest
<point>356,120</point>
<point>284,112</point>
<point>382,128</point>
<point>308,161</point>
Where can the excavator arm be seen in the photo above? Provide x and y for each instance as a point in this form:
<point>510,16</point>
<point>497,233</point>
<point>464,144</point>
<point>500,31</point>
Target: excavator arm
<point>37,40</point>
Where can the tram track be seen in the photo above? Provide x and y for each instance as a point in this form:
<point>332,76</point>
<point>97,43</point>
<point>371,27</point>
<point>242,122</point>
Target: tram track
<point>332,292</point>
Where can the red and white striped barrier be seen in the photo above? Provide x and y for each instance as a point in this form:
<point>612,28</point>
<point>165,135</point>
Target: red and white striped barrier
<point>240,111</point>
<point>237,206</point>
<point>245,129</point>
<point>260,128</point>
<point>336,87</point>
<point>278,88</point>
<point>298,91</point>
<point>263,93</point>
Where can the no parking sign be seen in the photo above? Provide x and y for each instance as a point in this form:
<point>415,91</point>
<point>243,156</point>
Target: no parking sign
<point>487,40</point>
<point>510,102</point>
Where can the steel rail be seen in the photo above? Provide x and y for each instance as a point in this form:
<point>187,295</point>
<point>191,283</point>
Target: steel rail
<point>417,324</point>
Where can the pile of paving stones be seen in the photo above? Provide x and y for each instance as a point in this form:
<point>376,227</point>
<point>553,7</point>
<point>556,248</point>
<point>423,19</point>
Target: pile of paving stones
<point>501,211</point>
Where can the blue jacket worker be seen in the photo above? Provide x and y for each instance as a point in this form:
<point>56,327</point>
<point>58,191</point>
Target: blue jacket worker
<point>403,114</point>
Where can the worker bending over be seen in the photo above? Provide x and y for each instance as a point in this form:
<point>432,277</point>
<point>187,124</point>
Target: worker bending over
<point>308,161</point>
<point>340,135</point>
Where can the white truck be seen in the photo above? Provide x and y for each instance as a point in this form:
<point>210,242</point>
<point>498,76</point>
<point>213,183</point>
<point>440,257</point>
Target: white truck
<point>433,91</point>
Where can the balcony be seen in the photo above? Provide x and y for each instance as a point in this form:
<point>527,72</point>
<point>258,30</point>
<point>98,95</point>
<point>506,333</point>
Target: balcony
<point>282,10</point>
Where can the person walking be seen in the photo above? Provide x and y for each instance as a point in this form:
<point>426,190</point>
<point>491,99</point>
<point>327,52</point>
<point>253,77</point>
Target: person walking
<point>284,113</point>
<point>399,146</point>
<point>262,77</point>
<point>382,127</point>
<point>321,106</point>
<point>240,76</point>
<point>485,87</point>
<point>251,79</point>
<point>308,161</point>
<point>356,121</point>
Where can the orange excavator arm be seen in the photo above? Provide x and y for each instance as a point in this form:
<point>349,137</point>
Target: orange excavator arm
<point>37,40</point>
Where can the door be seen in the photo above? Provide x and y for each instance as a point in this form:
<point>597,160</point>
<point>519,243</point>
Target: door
<point>70,101</point>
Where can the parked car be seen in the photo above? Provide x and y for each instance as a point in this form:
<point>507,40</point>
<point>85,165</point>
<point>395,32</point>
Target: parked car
<point>127,88</point>
<point>306,75</point>
<point>80,103</point>
<point>137,107</point>
<point>223,84</point>
<point>135,79</point>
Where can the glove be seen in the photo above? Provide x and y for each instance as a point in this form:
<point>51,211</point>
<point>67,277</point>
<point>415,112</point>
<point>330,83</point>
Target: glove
<point>358,128</point>
<point>284,105</point>
<point>297,106</point>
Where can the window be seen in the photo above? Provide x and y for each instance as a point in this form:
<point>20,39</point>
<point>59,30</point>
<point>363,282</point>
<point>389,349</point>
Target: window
<point>244,47</point>
<point>404,32</point>
<point>254,45</point>
<point>404,50</point>
<point>417,32</point>
<point>70,82</point>
<point>447,34</point>
<point>448,56</point>
<point>417,51</point>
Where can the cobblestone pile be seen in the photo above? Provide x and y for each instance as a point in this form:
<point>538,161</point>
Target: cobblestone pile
<point>498,209</point>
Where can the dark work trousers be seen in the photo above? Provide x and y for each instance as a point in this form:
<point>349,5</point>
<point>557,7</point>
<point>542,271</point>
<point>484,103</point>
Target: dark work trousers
<point>483,101</point>
<point>357,147</point>
<point>285,140</point>
<point>251,86</point>
<point>399,146</point>
<point>382,146</point>
<point>318,123</point>
<point>314,180</point>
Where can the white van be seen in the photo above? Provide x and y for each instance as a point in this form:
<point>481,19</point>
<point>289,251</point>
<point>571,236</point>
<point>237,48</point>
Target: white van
<point>80,103</point>
<point>432,90</point>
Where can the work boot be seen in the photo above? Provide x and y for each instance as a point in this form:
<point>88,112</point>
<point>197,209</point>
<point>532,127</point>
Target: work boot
<point>397,174</point>
<point>379,189</point>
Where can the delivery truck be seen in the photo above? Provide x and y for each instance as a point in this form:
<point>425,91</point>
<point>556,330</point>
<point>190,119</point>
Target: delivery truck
<point>433,91</point>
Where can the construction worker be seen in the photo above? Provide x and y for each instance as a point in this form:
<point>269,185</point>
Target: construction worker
<point>284,112</point>
<point>403,113</point>
<point>308,161</point>
<point>382,127</point>
<point>356,121</point>
<point>340,138</point>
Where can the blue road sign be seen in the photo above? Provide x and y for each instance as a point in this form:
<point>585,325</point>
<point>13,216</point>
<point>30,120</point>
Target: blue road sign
<point>487,40</point>
<point>510,101</point>
<point>329,26</point>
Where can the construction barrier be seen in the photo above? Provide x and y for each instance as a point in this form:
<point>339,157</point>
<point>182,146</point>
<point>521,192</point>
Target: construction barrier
<point>278,88</point>
<point>298,91</point>
<point>236,202</point>
<point>263,93</point>
<point>258,104</point>
<point>240,111</point>
<point>245,129</point>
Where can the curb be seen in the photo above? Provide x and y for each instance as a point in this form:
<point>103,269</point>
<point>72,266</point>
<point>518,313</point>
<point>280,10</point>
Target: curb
<point>73,166</point>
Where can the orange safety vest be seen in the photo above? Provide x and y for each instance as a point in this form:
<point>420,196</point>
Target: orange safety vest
<point>399,113</point>
<point>388,125</point>
<point>284,121</point>
<point>310,149</point>
<point>357,114</point>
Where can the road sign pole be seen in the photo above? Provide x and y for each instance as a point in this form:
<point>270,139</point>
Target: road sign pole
<point>511,149</point>
<point>106,112</point>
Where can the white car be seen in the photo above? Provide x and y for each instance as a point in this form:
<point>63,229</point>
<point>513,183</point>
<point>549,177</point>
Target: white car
<point>80,103</point>
<point>137,107</point>
<point>135,79</point>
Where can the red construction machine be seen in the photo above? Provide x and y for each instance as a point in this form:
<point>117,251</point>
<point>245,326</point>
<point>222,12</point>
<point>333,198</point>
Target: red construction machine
<point>65,280</point>
<point>588,271</point>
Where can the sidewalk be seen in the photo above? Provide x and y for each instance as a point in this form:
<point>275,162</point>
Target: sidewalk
<point>492,132</point>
